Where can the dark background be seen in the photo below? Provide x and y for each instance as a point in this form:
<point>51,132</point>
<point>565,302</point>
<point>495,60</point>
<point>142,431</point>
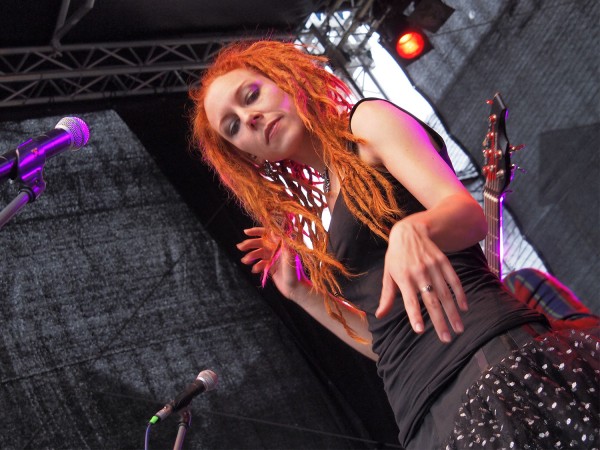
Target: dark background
<point>122,281</point>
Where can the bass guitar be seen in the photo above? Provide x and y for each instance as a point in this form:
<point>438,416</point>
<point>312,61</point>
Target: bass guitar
<point>538,290</point>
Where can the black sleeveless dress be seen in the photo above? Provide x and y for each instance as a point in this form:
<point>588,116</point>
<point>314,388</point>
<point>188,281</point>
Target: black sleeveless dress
<point>416,368</point>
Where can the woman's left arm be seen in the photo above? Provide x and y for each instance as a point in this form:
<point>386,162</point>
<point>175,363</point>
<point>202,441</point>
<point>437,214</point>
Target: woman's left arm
<point>453,220</point>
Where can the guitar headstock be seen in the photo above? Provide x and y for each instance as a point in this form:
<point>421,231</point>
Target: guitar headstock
<point>498,169</point>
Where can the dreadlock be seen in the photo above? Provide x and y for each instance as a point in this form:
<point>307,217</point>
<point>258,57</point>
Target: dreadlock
<point>286,199</point>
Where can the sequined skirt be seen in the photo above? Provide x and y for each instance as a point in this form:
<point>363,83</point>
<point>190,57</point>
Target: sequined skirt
<point>544,395</point>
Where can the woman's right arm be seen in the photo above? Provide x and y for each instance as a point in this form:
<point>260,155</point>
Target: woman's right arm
<point>259,249</point>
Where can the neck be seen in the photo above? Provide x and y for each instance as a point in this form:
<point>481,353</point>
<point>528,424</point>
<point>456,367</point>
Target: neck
<point>311,154</point>
<point>493,240</point>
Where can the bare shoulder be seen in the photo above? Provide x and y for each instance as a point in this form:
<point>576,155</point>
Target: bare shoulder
<point>373,116</point>
<point>384,129</point>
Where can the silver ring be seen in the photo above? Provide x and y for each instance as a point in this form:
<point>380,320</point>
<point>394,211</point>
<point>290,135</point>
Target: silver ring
<point>426,288</point>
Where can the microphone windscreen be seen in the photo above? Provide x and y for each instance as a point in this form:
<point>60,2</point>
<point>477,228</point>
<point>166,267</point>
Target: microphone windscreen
<point>208,378</point>
<point>77,129</point>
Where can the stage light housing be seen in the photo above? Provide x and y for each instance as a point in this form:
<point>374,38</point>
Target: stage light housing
<point>402,29</point>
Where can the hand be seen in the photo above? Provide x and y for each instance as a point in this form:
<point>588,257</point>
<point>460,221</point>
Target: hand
<point>261,249</point>
<point>412,262</point>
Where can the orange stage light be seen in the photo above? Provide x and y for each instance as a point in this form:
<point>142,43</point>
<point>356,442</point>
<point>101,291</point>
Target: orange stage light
<point>410,44</point>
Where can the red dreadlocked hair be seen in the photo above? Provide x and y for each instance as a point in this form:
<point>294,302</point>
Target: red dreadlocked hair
<point>285,200</point>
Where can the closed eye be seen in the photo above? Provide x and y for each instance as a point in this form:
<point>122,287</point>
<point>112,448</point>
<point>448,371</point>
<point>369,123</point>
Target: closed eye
<point>234,127</point>
<point>252,94</point>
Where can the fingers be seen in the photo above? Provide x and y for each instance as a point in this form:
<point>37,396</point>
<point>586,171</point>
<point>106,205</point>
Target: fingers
<point>413,310</point>
<point>259,250</point>
<point>255,231</point>
<point>250,244</point>
<point>411,303</point>
<point>454,282</point>
<point>259,267</point>
<point>437,282</point>
<point>441,306</point>
<point>252,256</point>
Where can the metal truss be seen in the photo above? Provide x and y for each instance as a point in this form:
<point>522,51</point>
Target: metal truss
<point>94,71</point>
<point>64,73</point>
<point>343,34</point>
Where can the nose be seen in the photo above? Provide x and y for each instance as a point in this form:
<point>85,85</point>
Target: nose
<point>253,118</point>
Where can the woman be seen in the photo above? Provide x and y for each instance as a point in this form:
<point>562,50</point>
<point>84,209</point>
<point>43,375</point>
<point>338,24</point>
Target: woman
<point>401,251</point>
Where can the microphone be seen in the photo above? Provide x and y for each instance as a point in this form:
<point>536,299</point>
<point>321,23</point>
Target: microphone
<point>70,133</point>
<point>205,381</point>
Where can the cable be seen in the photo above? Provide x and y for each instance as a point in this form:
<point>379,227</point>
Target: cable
<point>147,438</point>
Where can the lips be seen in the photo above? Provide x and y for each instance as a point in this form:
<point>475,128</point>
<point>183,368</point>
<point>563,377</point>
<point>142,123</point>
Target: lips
<point>270,129</point>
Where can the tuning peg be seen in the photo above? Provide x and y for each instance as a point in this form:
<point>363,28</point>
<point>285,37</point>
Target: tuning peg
<point>520,169</point>
<point>489,172</point>
<point>516,148</point>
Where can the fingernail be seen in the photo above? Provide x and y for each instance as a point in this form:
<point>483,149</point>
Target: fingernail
<point>419,327</point>
<point>446,337</point>
<point>458,327</point>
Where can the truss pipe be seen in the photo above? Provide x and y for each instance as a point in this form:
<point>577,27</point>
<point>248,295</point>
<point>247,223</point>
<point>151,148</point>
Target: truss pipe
<point>71,22</point>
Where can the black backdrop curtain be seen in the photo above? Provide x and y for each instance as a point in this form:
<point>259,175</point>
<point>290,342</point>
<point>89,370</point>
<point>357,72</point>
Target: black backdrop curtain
<point>543,58</point>
<point>114,297</point>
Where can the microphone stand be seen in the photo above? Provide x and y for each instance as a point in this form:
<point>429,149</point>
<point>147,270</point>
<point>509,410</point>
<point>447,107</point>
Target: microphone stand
<point>30,170</point>
<point>13,208</point>
<point>185,421</point>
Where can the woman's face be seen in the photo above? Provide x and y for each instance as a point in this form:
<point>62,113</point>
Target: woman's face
<point>256,116</point>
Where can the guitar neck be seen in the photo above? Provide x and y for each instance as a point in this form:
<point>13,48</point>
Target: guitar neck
<point>498,172</point>
<point>492,205</point>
